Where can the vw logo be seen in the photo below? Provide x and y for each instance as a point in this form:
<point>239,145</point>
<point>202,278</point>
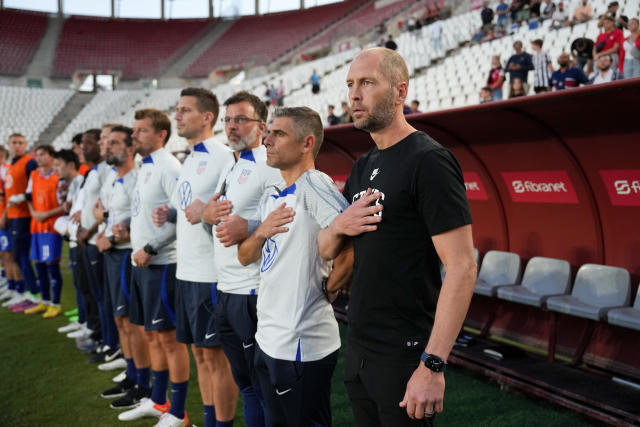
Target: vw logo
<point>185,194</point>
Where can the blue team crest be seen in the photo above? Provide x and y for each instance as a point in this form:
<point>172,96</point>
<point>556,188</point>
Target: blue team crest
<point>269,253</point>
<point>201,167</point>
<point>135,204</point>
<point>184,191</point>
<point>244,176</point>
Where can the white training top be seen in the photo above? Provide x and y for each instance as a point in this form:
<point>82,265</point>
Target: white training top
<point>155,183</point>
<point>120,199</point>
<point>295,320</point>
<point>75,195</point>
<point>92,186</point>
<point>105,194</point>
<point>244,185</point>
<point>199,178</point>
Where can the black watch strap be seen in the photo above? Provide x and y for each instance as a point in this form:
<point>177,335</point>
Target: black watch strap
<point>433,362</point>
<point>149,249</point>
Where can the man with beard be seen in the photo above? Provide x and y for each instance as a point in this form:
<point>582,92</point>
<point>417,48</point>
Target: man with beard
<point>566,76</point>
<point>234,210</point>
<point>403,320</point>
<point>604,71</point>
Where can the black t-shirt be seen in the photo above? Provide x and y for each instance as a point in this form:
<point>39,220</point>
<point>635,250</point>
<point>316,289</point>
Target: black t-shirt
<point>396,279</point>
<point>588,50</point>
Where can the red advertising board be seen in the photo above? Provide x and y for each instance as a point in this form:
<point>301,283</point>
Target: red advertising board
<point>540,187</point>
<point>474,186</point>
<point>623,186</point>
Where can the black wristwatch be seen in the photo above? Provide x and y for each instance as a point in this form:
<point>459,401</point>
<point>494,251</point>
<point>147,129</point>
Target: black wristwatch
<point>149,249</point>
<point>433,362</point>
<point>112,239</point>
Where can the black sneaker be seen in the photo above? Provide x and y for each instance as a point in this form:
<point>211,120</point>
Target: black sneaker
<point>119,389</point>
<point>132,398</point>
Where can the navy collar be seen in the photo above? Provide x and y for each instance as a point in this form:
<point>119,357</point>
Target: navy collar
<point>120,180</point>
<point>148,159</point>
<point>248,155</point>
<point>200,147</point>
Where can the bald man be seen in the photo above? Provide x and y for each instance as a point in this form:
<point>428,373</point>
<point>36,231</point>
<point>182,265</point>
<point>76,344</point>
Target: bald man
<point>408,211</point>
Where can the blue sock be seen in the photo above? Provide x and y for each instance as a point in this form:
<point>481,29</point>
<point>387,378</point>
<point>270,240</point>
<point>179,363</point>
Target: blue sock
<point>209,416</point>
<point>12,284</point>
<point>253,414</point>
<point>43,278</point>
<point>178,398</point>
<point>143,375</point>
<point>131,370</point>
<point>20,286</point>
<point>224,423</point>
<point>56,281</point>
<point>159,389</point>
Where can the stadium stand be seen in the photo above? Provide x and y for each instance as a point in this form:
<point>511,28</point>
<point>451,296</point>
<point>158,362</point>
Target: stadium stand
<point>20,33</point>
<point>136,47</point>
<point>293,28</point>
<point>29,111</point>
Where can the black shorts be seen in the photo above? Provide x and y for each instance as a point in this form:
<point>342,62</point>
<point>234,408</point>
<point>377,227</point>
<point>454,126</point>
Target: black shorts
<point>152,297</point>
<point>375,389</point>
<point>195,320</point>
<point>296,393</point>
<point>236,322</point>
<point>117,268</point>
<point>20,230</point>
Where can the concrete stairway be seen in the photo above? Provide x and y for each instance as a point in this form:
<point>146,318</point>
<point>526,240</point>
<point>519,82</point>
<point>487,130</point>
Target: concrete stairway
<point>41,64</point>
<point>64,117</point>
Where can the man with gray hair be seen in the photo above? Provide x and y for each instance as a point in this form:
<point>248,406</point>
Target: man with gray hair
<point>297,338</point>
<point>409,211</point>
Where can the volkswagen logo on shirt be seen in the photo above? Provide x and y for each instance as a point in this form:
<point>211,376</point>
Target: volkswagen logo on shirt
<point>269,252</point>
<point>135,204</point>
<point>185,194</point>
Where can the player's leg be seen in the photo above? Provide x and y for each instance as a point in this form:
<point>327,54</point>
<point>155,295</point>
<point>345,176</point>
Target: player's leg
<point>51,250</point>
<point>364,408</point>
<point>37,256</point>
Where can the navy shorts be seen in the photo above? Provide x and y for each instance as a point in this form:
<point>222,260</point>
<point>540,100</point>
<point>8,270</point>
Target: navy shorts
<point>46,247</point>
<point>20,229</point>
<point>117,270</point>
<point>195,320</point>
<point>296,393</point>
<point>236,321</point>
<point>152,297</point>
<point>5,241</point>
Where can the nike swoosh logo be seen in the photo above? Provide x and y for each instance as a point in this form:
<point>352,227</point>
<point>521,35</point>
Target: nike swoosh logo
<point>154,321</point>
<point>94,262</point>
<point>119,307</point>
<point>111,357</point>
<point>207,336</point>
<point>247,346</point>
<point>280,393</point>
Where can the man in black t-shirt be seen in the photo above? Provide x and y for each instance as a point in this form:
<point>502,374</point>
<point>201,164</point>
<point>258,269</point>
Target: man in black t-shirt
<point>409,211</point>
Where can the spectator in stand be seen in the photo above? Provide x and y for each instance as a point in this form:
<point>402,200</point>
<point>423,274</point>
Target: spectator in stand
<point>612,11</point>
<point>542,67</point>
<point>411,23</point>
<point>496,78</point>
<point>436,37</point>
<point>485,95</point>
<point>515,7</point>
<point>280,93</point>
<point>519,64</point>
<point>582,53</point>
<point>500,32</point>
<point>534,22</point>
<point>390,44</point>
<point>546,9</point>
<point>487,16</point>
<point>332,119</point>
<point>502,12</point>
<point>604,73</point>
<point>346,113</point>
<point>560,18</point>
<point>524,14</point>
<point>415,104</point>
<point>583,13</point>
<point>610,42</point>
<point>631,47</point>
<point>491,34</point>
<point>567,76</point>
<point>516,88</point>
<point>315,82</point>
<point>534,6</point>
<point>273,95</point>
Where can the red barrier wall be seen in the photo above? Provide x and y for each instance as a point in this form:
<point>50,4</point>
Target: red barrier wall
<point>556,175</point>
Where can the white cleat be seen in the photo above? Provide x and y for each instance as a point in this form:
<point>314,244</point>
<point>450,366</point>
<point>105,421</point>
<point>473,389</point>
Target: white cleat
<point>119,363</point>
<point>170,420</point>
<point>120,377</point>
<point>16,299</point>
<point>6,294</point>
<point>146,408</point>
<point>81,333</point>
<point>71,327</point>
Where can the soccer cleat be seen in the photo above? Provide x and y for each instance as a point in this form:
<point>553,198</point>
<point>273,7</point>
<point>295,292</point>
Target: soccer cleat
<point>146,408</point>
<point>170,420</point>
<point>25,305</point>
<point>73,319</point>
<point>6,294</point>
<point>121,376</point>
<point>16,299</point>
<point>87,345</point>
<point>70,313</point>
<point>52,312</point>
<point>112,355</point>
<point>118,363</point>
<point>73,326</point>
<point>119,390</point>
<point>132,399</point>
<point>40,308</point>
<point>82,333</point>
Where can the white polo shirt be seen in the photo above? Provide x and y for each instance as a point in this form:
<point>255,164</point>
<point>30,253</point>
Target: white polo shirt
<point>295,320</point>
<point>245,184</point>
<point>155,184</point>
<point>120,199</point>
<point>92,186</point>
<point>199,178</point>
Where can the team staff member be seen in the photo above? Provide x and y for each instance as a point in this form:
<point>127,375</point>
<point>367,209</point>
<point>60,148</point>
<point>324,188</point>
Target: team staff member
<point>238,286</point>
<point>46,243</point>
<point>297,336</point>
<point>402,320</point>
<point>11,269</point>
<point>196,275</point>
<point>17,219</point>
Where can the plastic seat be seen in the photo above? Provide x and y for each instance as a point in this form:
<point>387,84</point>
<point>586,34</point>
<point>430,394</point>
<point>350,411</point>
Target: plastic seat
<point>627,317</point>
<point>498,269</point>
<point>597,289</point>
<point>543,277</point>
